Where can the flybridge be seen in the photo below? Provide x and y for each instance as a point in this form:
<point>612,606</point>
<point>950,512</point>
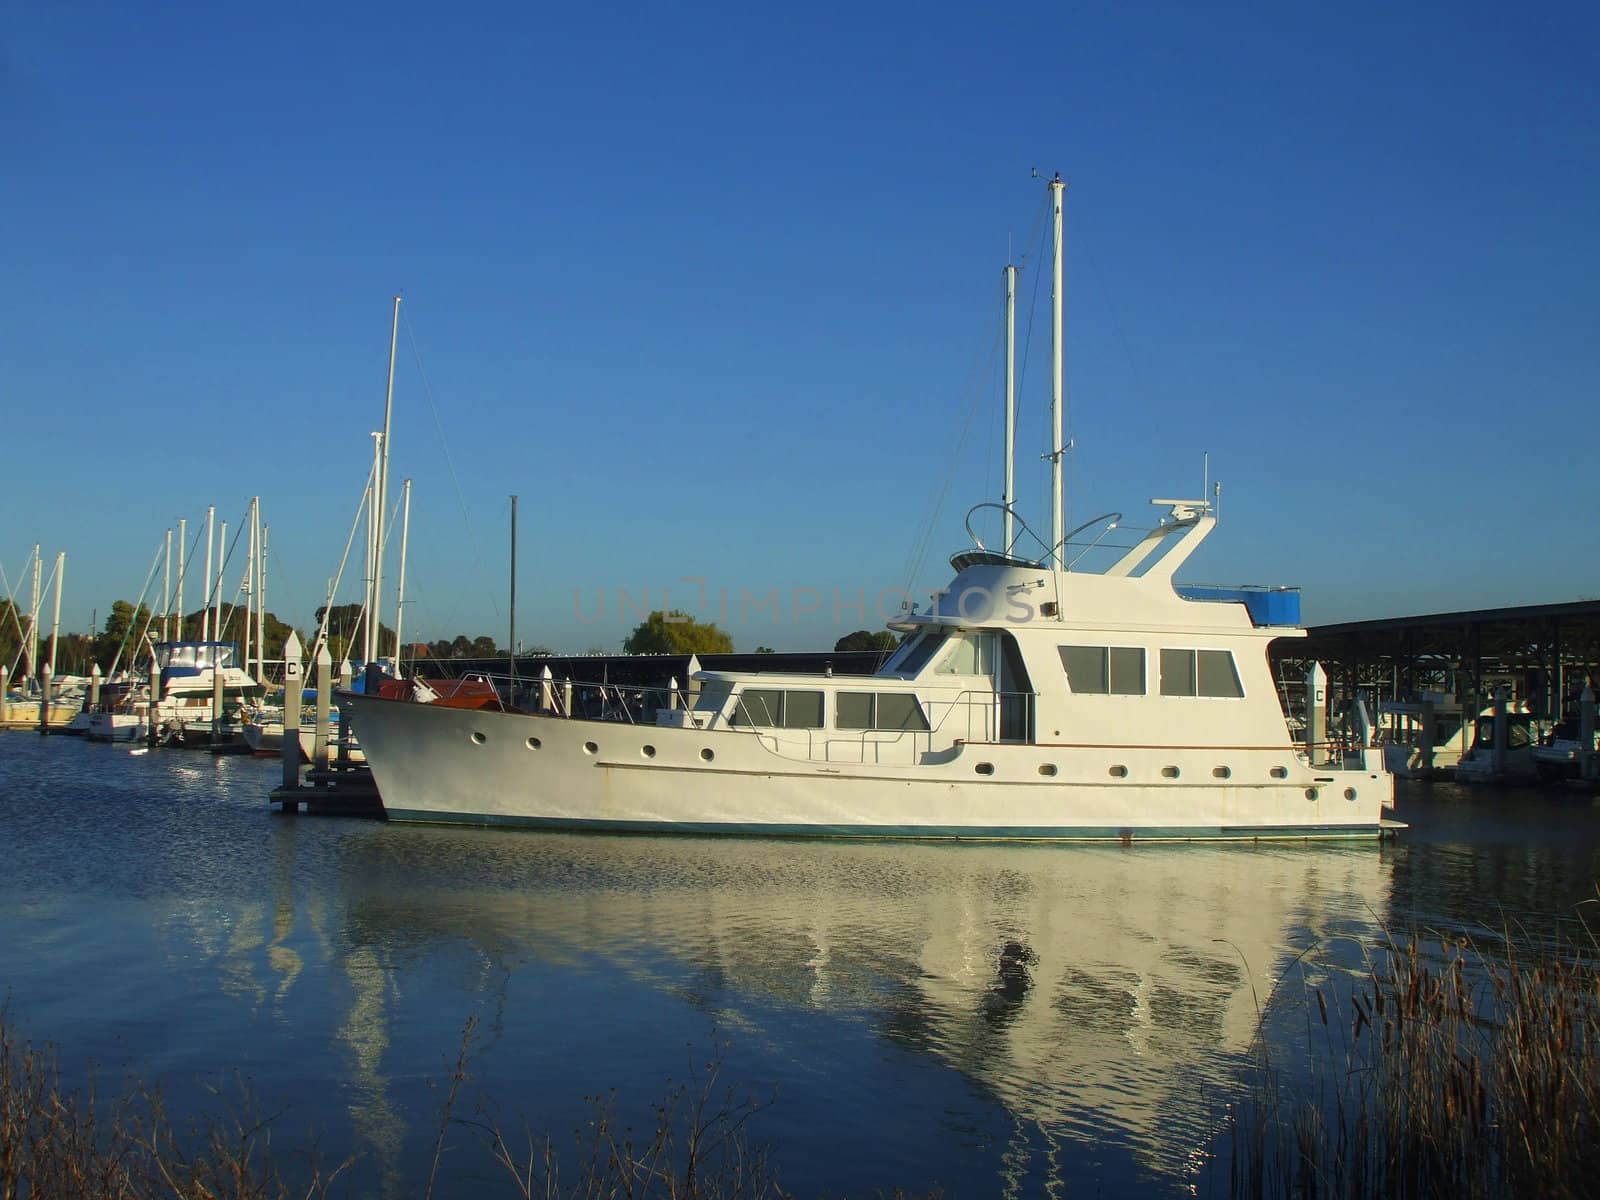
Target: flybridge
<point>1267,606</point>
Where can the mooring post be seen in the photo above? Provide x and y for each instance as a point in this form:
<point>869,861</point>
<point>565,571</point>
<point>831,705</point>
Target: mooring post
<point>319,740</point>
<point>94,688</point>
<point>1316,715</point>
<point>566,697</point>
<point>1502,730</point>
<point>547,687</point>
<point>216,696</point>
<point>1430,732</point>
<point>5,704</point>
<point>672,693</point>
<point>47,676</point>
<point>152,712</point>
<point>344,720</point>
<point>292,686</point>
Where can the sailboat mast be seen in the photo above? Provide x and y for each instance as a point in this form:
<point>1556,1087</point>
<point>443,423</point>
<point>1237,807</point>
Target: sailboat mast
<point>205,592</point>
<point>382,488</point>
<point>183,533</point>
<point>261,604</point>
<point>33,620</point>
<point>166,592</point>
<point>511,644</point>
<point>1058,510</point>
<point>1011,401</point>
<point>216,619</point>
<point>55,623</point>
<point>400,592</point>
<point>249,584</point>
<point>369,638</point>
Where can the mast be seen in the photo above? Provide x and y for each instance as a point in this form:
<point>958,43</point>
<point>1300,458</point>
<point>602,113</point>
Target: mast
<point>382,489</point>
<point>400,592</point>
<point>205,595</point>
<point>183,533</point>
<point>216,621</point>
<point>261,605</point>
<point>166,591</point>
<point>1058,511</point>
<point>511,645</point>
<point>1011,400</point>
<point>369,636</point>
<point>33,620</point>
<point>249,582</point>
<point>55,624</point>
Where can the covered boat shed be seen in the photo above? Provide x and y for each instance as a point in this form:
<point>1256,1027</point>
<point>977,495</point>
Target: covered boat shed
<point>1543,654</point>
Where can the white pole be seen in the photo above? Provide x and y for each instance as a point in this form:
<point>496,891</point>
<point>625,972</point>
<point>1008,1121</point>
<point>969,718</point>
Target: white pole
<point>216,620</point>
<point>400,592</point>
<point>55,624</point>
<point>1058,513</point>
<point>33,620</point>
<point>261,606</point>
<point>166,592</point>
<point>383,488</point>
<point>369,636</point>
<point>1011,399</point>
<point>249,584</point>
<point>183,533</point>
<point>205,594</point>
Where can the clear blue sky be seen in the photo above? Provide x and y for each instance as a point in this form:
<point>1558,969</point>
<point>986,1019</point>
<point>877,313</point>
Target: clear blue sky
<point>716,292</point>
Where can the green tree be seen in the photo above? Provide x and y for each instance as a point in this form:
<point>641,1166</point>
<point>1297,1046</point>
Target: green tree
<point>679,635</point>
<point>346,630</point>
<point>124,629</point>
<point>883,641</point>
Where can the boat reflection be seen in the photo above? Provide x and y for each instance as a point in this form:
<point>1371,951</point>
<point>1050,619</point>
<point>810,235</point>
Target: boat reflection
<point>1099,994</point>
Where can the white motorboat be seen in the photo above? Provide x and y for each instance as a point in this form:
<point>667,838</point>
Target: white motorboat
<point>188,673</point>
<point>1033,699</point>
<point>1021,706</point>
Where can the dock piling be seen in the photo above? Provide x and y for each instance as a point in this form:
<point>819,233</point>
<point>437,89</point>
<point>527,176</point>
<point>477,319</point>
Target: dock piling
<point>319,740</point>
<point>291,713</point>
<point>46,682</point>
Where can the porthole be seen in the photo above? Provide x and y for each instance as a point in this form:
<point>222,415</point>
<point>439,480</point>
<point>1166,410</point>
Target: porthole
<point>1349,793</point>
<point>706,755</point>
<point>1169,772</point>
<point>1221,773</point>
<point>1047,768</point>
<point>1279,772</point>
<point>1311,793</point>
<point>534,743</point>
<point>1119,772</point>
<point>479,738</point>
<point>984,768</point>
<point>591,748</point>
<point>648,751</point>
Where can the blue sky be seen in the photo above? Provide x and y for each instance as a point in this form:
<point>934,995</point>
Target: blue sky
<point>716,292</point>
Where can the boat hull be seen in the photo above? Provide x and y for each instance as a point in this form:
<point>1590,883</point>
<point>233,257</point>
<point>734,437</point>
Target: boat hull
<point>444,765</point>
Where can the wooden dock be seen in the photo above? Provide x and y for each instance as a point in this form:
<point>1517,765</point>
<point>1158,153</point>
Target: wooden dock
<point>338,791</point>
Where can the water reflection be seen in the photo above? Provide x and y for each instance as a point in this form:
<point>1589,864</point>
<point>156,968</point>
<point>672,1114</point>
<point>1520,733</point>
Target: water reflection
<point>1095,992</point>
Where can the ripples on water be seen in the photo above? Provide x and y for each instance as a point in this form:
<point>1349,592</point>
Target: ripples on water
<point>997,1019</point>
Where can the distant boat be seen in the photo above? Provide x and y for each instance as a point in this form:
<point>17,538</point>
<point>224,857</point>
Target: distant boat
<point>186,686</point>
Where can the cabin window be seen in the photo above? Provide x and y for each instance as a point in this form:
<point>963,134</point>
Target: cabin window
<point>878,710</point>
<point>1104,670</point>
<point>1200,673</point>
<point>915,654</point>
<point>713,697</point>
<point>776,709</point>
<point>970,654</point>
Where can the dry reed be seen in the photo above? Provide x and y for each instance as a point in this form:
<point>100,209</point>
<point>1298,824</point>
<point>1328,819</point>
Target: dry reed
<point>1446,1075</point>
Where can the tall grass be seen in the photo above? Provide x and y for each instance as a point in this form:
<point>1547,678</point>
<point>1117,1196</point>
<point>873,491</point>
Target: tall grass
<point>1449,1074</point>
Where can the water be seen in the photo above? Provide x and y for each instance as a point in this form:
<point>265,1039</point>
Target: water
<point>998,1020</point>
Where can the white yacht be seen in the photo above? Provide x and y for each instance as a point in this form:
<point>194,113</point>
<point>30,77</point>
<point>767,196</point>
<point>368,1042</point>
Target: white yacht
<point>188,676</point>
<point>1028,702</point>
<point>1032,699</point>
